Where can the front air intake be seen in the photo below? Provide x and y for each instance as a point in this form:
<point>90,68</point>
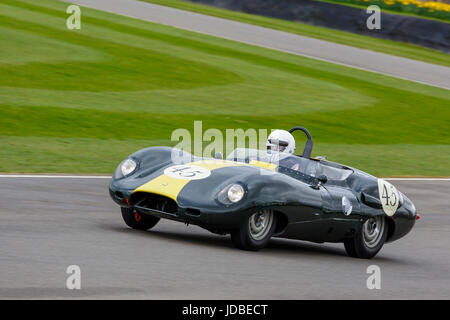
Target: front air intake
<point>151,201</point>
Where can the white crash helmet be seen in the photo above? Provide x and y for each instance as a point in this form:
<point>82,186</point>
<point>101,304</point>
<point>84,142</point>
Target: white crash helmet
<point>281,141</point>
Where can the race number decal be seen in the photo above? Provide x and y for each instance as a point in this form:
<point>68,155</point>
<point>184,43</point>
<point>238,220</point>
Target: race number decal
<point>187,172</point>
<point>388,196</point>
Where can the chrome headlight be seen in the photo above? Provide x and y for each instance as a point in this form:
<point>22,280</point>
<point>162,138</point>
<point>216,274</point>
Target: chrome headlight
<point>125,168</point>
<point>235,193</point>
<point>231,194</point>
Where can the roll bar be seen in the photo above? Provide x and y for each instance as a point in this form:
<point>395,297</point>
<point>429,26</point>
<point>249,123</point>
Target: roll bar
<point>309,144</point>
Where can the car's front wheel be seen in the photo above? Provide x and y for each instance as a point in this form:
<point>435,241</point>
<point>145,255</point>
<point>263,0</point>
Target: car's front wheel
<point>138,220</point>
<point>255,232</point>
<point>369,239</point>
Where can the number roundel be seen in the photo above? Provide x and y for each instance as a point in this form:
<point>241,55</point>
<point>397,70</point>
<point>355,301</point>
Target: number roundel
<point>388,196</point>
<point>187,172</point>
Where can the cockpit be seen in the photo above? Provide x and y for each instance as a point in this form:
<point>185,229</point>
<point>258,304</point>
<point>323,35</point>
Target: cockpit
<point>287,162</point>
<point>293,165</point>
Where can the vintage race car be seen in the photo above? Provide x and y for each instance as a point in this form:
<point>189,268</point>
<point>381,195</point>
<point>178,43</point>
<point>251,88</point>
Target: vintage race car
<point>258,194</point>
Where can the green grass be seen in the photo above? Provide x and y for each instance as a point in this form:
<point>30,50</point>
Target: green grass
<point>80,101</point>
<point>400,49</point>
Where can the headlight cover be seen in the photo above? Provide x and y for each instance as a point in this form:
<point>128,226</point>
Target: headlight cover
<point>231,194</point>
<point>125,168</point>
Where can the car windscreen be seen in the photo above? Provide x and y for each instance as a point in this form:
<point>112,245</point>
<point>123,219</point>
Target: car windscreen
<point>309,167</point>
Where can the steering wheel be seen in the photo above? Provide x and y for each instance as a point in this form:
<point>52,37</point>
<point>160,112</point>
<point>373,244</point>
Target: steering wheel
<point>309,144</point>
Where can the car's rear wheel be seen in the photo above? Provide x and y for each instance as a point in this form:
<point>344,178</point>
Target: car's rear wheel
<point>369,239</point>
<point>255,232</point>
<point>138,220</point>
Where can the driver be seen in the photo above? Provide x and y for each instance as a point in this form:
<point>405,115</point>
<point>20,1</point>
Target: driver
<point>281,141</point>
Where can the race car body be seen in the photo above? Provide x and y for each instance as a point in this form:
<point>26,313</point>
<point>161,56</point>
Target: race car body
<point>256,194</point>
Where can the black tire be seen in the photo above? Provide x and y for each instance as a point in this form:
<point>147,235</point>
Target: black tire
<point>137,220</point>
<point>359,247</point>
<point>244,239</point>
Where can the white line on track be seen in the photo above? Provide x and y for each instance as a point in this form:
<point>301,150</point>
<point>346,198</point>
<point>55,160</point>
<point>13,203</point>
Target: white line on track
<point>52,176</point>
<point>109,177</point>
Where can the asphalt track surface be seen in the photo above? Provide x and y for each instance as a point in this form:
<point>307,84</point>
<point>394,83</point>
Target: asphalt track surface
<point>47,224</point>
<point>413,70</point>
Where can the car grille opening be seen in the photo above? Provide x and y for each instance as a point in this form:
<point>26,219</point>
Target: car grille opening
<point>193,212</point>
<point>146,200</point>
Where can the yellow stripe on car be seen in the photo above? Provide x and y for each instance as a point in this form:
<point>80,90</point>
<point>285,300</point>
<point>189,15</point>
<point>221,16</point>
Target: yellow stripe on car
<point>262,164</point>
<point>164,186</point>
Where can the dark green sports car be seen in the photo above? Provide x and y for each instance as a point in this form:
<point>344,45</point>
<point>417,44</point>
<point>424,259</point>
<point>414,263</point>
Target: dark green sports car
<point>257,194</point>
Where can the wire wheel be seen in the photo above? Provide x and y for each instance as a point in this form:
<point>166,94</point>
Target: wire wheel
<point>373,230</point>
<point>260,224</point>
